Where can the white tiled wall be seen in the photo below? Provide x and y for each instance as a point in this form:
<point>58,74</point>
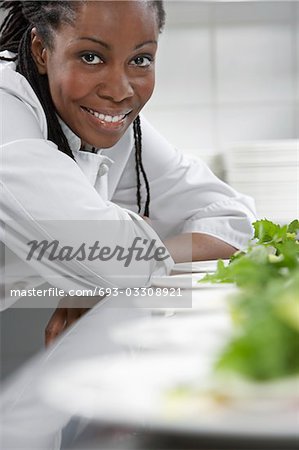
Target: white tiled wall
<point>254,121</point>
<point>254,63</point>
<point>188,68</point>
<point>226,72</point>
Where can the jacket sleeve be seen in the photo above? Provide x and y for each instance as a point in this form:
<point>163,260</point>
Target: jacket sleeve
<point>186,196</point>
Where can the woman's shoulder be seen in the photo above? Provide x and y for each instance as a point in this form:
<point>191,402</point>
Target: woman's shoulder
<point>9,55</point>
<point>15,89</point>
<point>154,145</point>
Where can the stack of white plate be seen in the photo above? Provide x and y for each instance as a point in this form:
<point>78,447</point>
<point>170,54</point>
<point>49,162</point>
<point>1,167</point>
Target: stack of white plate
<point>269,172</point>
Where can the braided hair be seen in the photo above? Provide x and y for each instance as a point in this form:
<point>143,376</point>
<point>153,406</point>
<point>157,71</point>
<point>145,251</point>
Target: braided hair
<point>47,16</point>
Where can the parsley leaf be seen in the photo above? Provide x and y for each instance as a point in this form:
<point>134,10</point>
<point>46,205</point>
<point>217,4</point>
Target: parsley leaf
<point>265,312</point>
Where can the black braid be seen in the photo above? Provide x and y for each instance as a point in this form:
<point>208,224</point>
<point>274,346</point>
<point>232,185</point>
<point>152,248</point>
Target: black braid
<point>39,83</point>
<point>140,168</point>
<point>16,37</point>
<point>137,165</point>
<point>13,26</point>
<point>47,16</point>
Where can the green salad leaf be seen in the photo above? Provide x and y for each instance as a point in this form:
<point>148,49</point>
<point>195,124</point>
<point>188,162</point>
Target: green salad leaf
<point>273,253</point>
<point>265,343</point>
<point>265,311</point>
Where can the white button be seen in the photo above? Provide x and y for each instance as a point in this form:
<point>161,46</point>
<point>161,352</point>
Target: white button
<point>103,169</point>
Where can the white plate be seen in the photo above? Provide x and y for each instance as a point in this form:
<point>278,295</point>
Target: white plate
<point>198,266</point>
<point>186,281</point>
<point>137,392</point>
<point>188,301</point>
<point>261,175</point>
<point>204,333</point>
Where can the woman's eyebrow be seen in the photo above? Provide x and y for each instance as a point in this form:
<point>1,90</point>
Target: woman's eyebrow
<point>107,46</point>
<point>97,41</point>
<point>145,43</point>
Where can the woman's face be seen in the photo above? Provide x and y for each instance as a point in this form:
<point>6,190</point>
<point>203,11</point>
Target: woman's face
<point>101,69</point>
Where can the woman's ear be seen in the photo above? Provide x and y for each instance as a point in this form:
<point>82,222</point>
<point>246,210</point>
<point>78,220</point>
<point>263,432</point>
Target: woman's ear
<point>39,53</point>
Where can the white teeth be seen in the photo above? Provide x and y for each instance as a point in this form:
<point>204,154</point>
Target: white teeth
<point>106,117</point>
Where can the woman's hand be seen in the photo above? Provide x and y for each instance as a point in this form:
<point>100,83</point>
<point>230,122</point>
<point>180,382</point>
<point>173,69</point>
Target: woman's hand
<point>66,314</point>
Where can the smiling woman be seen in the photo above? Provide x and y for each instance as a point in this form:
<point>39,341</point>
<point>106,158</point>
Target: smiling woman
<point>61,56</point>
<point>83,166</point>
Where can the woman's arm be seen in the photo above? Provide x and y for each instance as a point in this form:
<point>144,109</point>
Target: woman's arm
<point>188,247</point>
<point>187,198</point>
<point>197,247</point>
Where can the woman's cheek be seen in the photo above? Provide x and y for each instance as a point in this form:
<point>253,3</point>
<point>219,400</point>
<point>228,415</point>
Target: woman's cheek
<point>150,90</point>
<point>77,87</point>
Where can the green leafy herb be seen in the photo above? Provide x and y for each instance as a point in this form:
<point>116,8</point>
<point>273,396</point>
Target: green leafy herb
<point>273,253</point>
<point>265,343</point>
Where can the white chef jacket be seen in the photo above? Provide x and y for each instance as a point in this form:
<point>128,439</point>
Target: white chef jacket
<point>48,195</point>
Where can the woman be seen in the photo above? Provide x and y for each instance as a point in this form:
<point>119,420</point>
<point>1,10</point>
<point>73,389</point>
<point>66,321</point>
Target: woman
<point>80,166</point>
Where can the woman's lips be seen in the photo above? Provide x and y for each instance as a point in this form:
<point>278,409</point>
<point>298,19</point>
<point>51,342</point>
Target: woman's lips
<point>110,120</point>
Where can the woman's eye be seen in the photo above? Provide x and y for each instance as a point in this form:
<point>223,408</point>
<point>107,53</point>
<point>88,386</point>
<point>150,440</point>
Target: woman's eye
<point>142,61</point>
<point>91,58</point>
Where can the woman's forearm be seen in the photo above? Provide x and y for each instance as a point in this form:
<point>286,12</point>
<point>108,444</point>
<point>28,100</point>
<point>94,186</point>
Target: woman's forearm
<point>197,247</point>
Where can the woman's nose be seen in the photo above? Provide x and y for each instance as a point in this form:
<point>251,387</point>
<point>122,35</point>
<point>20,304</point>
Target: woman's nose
<point>115,85</point>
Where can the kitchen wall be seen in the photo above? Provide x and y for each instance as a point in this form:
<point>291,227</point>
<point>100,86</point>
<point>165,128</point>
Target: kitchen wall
<point>227,72</point>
